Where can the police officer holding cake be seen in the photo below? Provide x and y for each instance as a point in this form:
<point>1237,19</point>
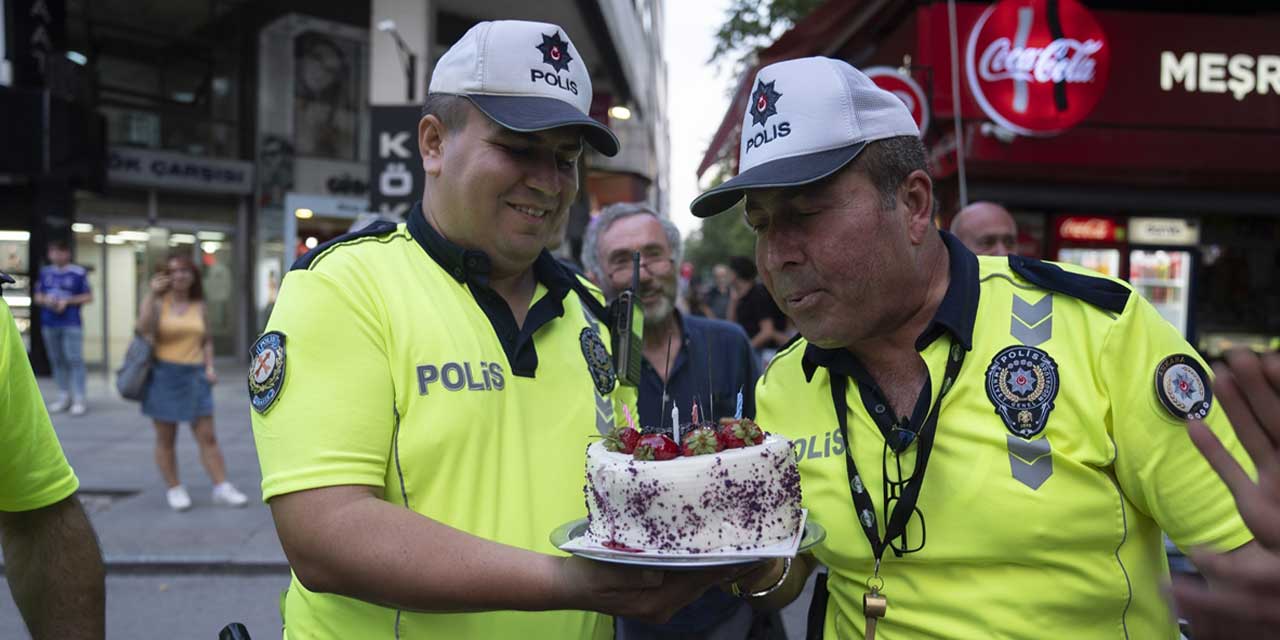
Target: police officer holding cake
<point>424,392</point>
<point>1008,436</point>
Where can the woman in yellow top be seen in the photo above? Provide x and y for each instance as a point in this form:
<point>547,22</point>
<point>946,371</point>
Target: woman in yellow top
<point>174,317</point>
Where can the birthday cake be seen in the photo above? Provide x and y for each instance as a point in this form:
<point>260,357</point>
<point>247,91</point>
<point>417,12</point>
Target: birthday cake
<point>731,488</point>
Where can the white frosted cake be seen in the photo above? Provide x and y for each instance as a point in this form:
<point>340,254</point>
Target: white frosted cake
<point>731,500</point>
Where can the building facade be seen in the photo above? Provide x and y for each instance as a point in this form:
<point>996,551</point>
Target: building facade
<point>243,133</point>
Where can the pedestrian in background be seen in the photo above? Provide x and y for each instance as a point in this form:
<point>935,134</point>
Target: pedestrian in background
<point>751,306</point>
<point>987,229</point>
<point>174,315</point>
<point>61,289</point>
<point>52,561</point>
<point>718,294</point>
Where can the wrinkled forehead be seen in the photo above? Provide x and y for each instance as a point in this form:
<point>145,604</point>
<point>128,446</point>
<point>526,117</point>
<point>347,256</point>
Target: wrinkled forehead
<point>782,198</point>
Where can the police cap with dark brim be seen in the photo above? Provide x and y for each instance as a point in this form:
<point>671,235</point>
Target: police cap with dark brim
<point>535,113</point>
<point>784,172</point>
<point>805,120</point>
<point>526,76</point>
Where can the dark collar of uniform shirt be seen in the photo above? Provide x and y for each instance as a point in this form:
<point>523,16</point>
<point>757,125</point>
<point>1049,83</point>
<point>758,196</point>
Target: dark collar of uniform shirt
<point>733,366</point>
<point>956,315</point>
<point>472,267</point>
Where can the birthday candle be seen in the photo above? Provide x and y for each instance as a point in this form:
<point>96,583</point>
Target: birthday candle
<point>626,411</point>
<point>694,419</point>
<point>675,421</point>
<point>737,412</point>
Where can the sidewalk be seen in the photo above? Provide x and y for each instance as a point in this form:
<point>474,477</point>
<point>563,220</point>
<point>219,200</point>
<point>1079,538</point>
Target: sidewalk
<point>111,449</point>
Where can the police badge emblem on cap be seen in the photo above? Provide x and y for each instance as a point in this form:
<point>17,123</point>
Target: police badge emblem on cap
<point>1022,383</point>
<point>598,361</point>
<point>1183,387</point>
<point>266,370</point>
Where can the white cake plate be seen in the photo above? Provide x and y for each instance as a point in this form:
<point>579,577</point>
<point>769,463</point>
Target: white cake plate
<point>571,537</point>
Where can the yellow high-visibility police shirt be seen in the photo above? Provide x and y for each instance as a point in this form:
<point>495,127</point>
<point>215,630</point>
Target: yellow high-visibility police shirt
<point>1054,468</point>
<point>33,471</point>
<point>389,362</point>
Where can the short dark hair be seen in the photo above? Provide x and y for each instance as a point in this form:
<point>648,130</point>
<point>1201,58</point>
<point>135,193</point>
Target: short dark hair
<point>743,267</point>
<point>888,162</point>
<point>449,108</point>
<point>59,244</point>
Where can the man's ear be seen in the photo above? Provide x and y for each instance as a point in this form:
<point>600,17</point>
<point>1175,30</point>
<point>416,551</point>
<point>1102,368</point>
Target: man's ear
<point>917,195</point>
<point>431,135</point>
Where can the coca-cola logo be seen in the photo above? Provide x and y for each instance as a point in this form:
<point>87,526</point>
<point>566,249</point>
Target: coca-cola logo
<point>1037,67</point>
<point>1087,229</point>
<point>906,89</point>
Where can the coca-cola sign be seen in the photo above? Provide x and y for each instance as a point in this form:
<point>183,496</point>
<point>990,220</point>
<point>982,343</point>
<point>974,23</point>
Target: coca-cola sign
<point>906,89</point>
<point>1089,229</point>
<point>1037,67</point>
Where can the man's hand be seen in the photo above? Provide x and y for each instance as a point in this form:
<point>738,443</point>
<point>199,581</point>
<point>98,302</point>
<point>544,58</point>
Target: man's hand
<point>1242,597</point>
<point>642,594</point>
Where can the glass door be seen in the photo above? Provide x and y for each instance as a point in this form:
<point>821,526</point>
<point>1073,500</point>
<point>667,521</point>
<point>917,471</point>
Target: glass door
<point>1163,277</point>
<point>1104,261</point>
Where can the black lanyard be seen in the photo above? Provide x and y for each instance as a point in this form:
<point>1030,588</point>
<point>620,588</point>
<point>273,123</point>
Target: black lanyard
<point>866,509</point>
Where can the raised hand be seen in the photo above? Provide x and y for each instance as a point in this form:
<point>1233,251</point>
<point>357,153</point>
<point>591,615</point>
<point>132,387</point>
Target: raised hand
<point>1242,597</point>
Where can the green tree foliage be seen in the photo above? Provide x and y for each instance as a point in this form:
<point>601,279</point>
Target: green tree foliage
<point>749,26</point>
<point>752,25</point>
<point>720,236</point>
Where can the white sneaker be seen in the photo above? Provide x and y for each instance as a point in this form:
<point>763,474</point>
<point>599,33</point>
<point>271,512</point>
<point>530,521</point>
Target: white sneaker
<point>178,498</point>
<point>227,495</point>
<point>78,408</point>
<point>60,405</point>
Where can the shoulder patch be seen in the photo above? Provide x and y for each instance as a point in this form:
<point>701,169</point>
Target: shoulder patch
<point>266,370</point>
<point>379,228</point>
<point>1097,291</point>
<point>1183,387</point>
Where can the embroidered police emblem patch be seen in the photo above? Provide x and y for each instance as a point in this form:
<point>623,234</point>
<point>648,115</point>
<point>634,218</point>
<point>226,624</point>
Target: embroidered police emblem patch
<point>266,370</point>
<point>555,51</point>
<point>1022,383</point>
<point>1183,387</point>
<point>598,361</point>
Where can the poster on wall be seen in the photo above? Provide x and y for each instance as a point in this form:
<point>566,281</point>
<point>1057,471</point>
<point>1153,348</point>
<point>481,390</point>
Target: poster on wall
<point>328,76</point>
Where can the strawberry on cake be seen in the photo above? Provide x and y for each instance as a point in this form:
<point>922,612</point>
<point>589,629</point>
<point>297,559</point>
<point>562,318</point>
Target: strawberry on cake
<point>726,488</point>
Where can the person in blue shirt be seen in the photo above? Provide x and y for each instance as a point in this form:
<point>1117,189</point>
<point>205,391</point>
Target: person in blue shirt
<point>61,289</point>
<point>690,358</point>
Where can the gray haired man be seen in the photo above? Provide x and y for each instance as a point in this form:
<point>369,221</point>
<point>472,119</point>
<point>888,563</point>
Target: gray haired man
<point>696,360</point>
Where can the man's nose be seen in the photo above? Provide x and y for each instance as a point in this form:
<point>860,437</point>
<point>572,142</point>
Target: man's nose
<point>542,174</point>
<point>778,247</point>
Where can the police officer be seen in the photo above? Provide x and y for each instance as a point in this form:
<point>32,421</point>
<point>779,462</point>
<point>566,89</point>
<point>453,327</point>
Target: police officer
<point>425,391</point>
<point>52,561</point>
<point>992,444</point>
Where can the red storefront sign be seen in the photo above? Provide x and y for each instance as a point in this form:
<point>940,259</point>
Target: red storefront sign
<point>907,90</point>
<point>1037,67</point>
<point>1089,229</point>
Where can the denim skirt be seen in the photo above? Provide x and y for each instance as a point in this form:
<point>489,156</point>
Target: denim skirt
<point>177,393</point>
